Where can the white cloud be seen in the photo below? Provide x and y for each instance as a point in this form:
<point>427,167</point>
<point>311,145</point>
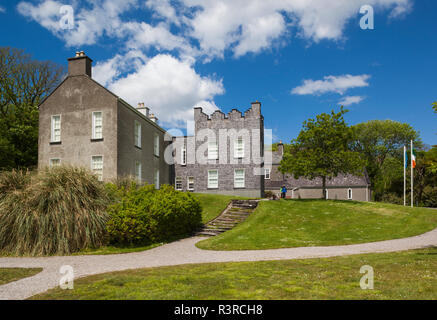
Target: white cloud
<point>91,24</point>
<point>337,84</point>
<point>163,9</point>
<point>211,26</point>
<point>2,10</point>
<point>350,100</point>
<point>251,26</point>
<point>46,14</point>
<point>169,86</point>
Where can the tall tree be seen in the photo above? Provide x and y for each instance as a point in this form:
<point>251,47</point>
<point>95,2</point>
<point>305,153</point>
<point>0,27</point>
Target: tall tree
<point>322,149</point>
<point>24,83</point>
<point>434,106</point>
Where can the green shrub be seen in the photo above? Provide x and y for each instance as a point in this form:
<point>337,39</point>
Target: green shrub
<point>145,215</point>
<point>57,211</point>
<point>118,188</point>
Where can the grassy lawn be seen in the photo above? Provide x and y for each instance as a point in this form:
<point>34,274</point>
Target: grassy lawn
<point>301,223</point>
<point>115,250</point>
<point>405,275</point>
<point>13,274</point>
<point>213,204</point>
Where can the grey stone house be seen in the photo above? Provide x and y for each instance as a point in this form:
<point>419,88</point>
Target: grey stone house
<point>342,187</point>
<point>81,123</point>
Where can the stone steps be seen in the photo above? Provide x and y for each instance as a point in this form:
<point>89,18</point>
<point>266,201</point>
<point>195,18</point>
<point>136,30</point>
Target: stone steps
<point>236,212</point>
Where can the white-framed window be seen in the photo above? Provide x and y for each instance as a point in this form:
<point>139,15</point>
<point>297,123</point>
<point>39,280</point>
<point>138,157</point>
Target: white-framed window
<point>97,132</point>
<point>56,128</point>
<point>190,183</point>
<point>267,173</point>
<point>54,162</point>
<point>97,166</point>
<point>212,150</point>
<point>156,178</point>
<point>138,170</point>
<point>212,179</point>
<point>239,178</point>
<point>239,148</point>
<point>327,194</point>
<point>184,155</point>
<point>349,194</point>
<point>137,134</point>
<point>178,183</point>
<point>156,145</point>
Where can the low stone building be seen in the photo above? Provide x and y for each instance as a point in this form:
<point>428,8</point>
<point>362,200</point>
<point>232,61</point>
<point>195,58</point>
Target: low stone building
<point>342,187</point>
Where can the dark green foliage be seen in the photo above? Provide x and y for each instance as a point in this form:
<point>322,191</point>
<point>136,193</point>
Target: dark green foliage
<point>24,83</point>
<point>381,143</point>
<point>57,211</point>
<point>322,149</point>
<point>146,215</point>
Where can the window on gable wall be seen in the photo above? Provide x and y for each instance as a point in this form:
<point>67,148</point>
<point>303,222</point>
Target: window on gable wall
<point>56,128</point>
<point>55,163</point>
<point>97,131</point>
<point>97,166</point>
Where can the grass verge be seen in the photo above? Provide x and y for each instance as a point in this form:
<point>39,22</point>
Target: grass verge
<point>302,223</point>
<point>13,274</point>
<point>400,275</point>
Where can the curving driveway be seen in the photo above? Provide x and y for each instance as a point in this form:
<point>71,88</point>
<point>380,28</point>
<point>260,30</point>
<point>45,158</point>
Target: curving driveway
<point>181,252</point>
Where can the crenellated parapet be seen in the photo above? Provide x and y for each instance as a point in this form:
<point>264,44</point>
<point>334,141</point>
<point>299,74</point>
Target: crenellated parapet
<point>253,112</point>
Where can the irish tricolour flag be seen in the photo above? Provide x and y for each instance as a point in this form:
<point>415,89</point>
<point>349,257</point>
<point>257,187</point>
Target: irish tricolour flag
<point>413,159</point>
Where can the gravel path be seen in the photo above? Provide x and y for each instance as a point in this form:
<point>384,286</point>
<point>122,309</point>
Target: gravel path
<point>181,252</point>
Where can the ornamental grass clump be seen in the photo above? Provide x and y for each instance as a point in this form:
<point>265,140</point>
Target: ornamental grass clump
<point>56,211</point>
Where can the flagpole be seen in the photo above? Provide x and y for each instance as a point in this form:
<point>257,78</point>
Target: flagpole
<point>412,180</point>
<point>405,176</point>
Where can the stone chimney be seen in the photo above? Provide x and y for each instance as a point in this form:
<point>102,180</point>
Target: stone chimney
<point>80,65</point>
<point>144,110</point>
<point>281,148</point>
<point>153,118</point>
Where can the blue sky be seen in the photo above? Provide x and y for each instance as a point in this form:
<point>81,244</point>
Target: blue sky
<point>298,58</point>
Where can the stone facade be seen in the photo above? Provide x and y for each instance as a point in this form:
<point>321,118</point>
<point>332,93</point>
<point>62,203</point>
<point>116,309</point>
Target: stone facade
<point>224,131</point>
<point>342,187</point>
<point>74,102</point>
<point>225,155</point>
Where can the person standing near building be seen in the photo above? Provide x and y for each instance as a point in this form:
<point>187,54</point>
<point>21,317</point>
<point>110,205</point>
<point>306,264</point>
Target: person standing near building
<point>283,192</point>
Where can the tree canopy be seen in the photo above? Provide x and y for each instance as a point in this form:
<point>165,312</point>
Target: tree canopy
<point>24,83</point>
<point>323,149</point>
